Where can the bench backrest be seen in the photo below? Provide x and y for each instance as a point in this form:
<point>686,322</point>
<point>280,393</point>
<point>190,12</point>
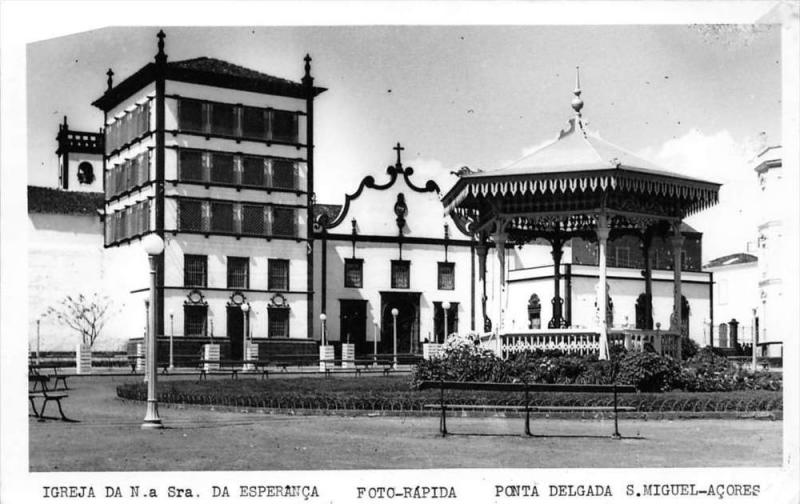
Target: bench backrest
<point>521,387</point>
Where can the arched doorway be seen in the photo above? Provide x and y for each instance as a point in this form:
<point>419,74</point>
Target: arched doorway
<point>534,312</point>
<point>407,305</point>
<point>644,319</point>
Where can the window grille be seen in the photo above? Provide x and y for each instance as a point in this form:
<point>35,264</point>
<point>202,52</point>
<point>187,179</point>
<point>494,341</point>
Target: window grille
<point>447,276</point>
<point>195,320</point>
<point>190,115</point>
<point>354,273</point>
<point>252,171</point>
<point>401,274</point>
<point>278,325</point>
<point>283,174</point>
<point>222,168</point>
<point>252,220</point>
<point>223,119</point>
<point>278,278</point>
<point>191,165</point>
<point>190,215</point>
<point>222,217</point>
<point>238,272</point>
<point>195,270</point>
<point>254,123</point>
<point>284,126</point>
<point>283,221</point>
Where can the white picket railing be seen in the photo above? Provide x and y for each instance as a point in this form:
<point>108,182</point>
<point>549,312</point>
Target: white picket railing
<point>579,341</point>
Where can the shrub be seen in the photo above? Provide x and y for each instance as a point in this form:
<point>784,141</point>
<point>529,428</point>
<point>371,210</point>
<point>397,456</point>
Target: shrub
<point>689,347</point>
<point>649,372</point>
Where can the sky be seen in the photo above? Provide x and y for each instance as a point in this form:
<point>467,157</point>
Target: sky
<point>697,99</point>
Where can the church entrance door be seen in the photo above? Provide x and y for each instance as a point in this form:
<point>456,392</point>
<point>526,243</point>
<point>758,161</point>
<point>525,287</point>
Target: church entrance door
<point>353,324</point>
<point>407,305</point>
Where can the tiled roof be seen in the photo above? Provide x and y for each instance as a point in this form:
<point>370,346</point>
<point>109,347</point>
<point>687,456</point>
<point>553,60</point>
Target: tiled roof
<point>220,67</point>
<point>205,71</point>
<point>330,211</point>
<point>46,200</point>
<point>731,259</point>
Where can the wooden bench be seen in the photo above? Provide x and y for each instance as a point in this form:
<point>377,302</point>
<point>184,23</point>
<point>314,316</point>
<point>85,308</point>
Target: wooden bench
<point>526,389</point>
<point>55,375</point>
<point>40,382</point>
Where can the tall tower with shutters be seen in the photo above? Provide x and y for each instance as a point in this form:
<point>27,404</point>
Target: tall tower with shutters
<point>216,159</point>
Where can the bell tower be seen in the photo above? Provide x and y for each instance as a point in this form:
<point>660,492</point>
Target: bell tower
<point>80,160</point>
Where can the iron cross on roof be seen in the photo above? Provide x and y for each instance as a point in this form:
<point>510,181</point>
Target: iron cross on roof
<point>398,148</point>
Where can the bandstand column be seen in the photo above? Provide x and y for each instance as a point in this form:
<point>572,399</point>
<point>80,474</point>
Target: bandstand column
<point>500,242</point>
<point>557,321</point>
<point>480,250</point>
<point>648,282</point>
<point>676,322</point>
<point>602,293</point>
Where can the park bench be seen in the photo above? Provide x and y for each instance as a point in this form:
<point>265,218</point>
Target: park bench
<point>526,389</point>
<point>38,381</point>
<point>55,375</point>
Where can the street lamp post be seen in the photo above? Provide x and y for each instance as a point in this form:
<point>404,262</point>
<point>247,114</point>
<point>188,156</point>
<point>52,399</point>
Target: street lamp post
<point>446,308</point>
<point>394,330</point>
<point>154,246</point>
<point>171,335</point>
<point>375,344</point>
<point>246,313</point>
<point>38,321</point>
<point>323,318</point>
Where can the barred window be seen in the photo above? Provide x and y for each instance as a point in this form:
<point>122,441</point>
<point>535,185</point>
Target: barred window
<point>252,171</point>
<point>283,221</point>
<point>354,273</point>
<point>195,270</point>
<point>238,272</point>
<point>278,322</point>
<point>252,220</point>
<point>254,123</point>
<point>190,115</point>
<point>191,165</point>
<point>401,274</point>
<point>222,217</point>
<point>222,168</point>
<point>195,320</point>
<point>223,119</point>
<point>190,215</point>
<point>447,276</point>
<point>284,126</point>
<point>278,278</point>
<point>283,174</point>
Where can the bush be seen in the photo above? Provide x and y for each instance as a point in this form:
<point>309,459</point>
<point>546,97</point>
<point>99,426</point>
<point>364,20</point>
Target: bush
<point>689,347</point>
<point>649,372</point>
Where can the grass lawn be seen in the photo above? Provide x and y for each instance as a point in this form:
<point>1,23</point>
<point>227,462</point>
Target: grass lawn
<point>395,393</point>
<point>108,437</point>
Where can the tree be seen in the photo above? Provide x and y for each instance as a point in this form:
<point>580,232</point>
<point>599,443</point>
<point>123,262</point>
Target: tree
<point>86,315</point>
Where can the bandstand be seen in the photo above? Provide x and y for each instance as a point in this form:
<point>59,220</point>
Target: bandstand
<point>579,186</point>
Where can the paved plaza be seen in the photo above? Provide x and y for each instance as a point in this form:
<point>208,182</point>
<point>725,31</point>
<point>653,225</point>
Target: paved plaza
<point>108,438</point>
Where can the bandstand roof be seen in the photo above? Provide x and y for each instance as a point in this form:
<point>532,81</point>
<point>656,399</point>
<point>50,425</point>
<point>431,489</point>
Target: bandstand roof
<point>579,170</point>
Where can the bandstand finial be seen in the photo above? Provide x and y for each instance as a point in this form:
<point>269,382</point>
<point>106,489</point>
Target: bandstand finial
<point>577,103</point>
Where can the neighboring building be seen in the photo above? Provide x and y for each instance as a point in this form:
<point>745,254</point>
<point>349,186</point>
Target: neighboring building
<point>389,246</point>
<point>736,299</point>
<point>769,168</point>
<point>66,258</point>
<point>216,159</point>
